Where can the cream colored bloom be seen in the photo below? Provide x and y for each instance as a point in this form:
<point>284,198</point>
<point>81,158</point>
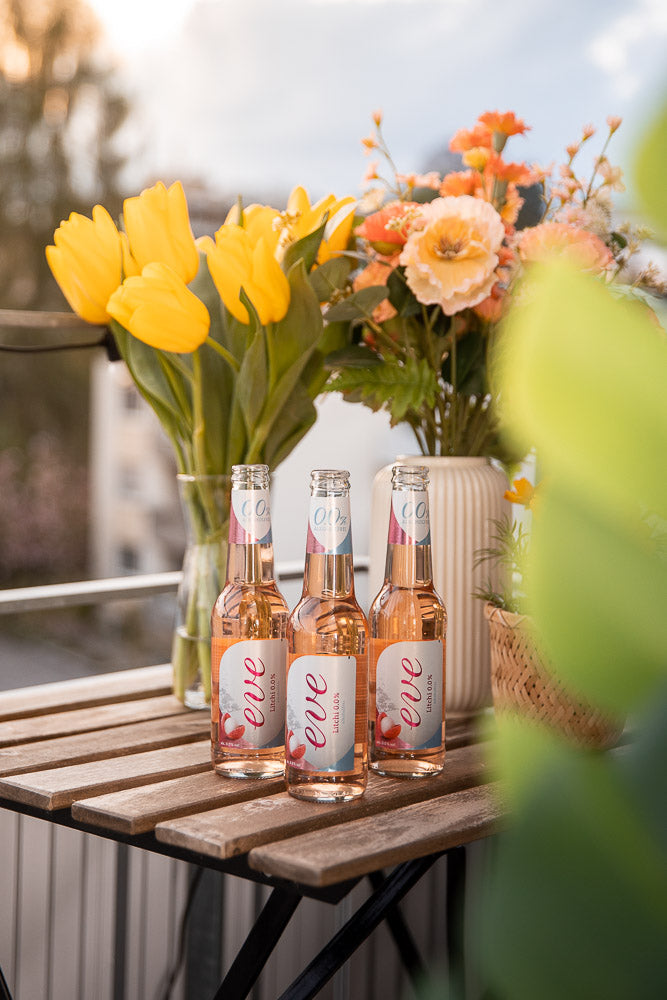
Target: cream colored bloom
<point>451,261</point>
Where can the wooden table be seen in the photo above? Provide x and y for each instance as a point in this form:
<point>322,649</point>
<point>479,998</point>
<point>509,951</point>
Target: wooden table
<point>117,755</point>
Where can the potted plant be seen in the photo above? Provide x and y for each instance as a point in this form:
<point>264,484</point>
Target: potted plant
<point>521,680</point>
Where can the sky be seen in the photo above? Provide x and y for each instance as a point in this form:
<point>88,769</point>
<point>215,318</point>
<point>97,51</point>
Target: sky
<point>254,96</point>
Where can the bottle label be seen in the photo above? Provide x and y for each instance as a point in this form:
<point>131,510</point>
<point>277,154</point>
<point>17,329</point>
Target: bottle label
<point>250,675</point>
<point>321,703</point>
<point>409,518</point>
<point>329,526</point>
<point>250,517</point>
<point>409,694</point>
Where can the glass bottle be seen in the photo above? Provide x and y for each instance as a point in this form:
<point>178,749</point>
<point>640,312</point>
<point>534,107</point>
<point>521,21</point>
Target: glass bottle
<point>326,743</point>
<point>248,641</point>
<point>408,623</point>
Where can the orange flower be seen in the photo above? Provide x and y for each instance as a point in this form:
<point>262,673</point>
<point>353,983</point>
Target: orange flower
<point>460,182</point>
<point>505,122</point>
<point>523,493</point>
<point>515,173</point>
<point>376,273</point>
<point>549,239</point>
<point>388,229</point>
<point>513,202</point>
<point>466,139</point>
<point>491,308</point>
<point>613,121</point>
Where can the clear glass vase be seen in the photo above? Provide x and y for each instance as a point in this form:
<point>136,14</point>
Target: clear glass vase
<point>205,501</point>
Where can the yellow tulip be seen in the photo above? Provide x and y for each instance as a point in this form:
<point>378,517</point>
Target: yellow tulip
<point>238,262</point>
<point>301,218</point>
<point>158,227</point>
<point>88,261</point>
<point>158,308</point>
<point>258,220</point>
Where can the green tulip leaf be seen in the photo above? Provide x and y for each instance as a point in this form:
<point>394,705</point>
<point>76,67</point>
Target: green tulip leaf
<point>330,277</point>
<point>358,306</point>
<point>401,297</point>
<point>292,341</point>
<point>305,249</point>
<point>292,422</point>
<point>252,382</point>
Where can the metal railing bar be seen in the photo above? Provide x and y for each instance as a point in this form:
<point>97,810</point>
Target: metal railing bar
<point>85,592</point>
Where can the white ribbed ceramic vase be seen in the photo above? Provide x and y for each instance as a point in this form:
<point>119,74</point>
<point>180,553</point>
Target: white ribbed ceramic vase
<point>466,496</point>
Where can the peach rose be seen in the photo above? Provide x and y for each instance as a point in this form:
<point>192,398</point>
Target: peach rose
<point>451,261</point>
<point>585,249</point>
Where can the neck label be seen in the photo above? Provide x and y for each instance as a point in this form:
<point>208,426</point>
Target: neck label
<point>409,518</point>
<point>329,526</point>
<point>250,517</point>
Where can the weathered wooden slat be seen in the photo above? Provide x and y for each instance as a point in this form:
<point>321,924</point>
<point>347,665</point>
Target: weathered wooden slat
<point>137,810</point>
<point>63,696</point>
<point>82,720</point>
<point>231,830</point>
<point>60,787</point>
<point>383,840</point>
<point>102,743</point>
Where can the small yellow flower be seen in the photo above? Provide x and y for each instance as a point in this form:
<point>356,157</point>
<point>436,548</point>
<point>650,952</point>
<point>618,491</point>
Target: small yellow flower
<point>158,227</point>
<point>523,493</point>
<point>89,260</point>
<point>477,158</point>
<point>238,262</point>
<point>158,308</point>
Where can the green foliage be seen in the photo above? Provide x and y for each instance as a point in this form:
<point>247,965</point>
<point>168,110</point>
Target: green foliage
<point>398,389</point>
<point>508,551</point>
<point>578,903</point>
<point>358,306</point>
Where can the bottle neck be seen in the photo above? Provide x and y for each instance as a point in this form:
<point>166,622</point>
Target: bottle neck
<point>328,576</point>
<point>408,565</point>
<point>250,563</point>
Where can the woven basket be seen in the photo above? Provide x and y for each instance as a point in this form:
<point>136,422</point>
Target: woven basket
<point>521,683</point>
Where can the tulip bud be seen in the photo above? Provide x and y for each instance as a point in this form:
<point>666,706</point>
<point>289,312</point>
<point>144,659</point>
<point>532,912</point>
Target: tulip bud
<point>158,227</point>
<point>158,308</point>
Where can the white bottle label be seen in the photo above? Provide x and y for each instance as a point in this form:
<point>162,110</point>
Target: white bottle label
<point>321,698</point>
<point>252,694</point>
<point>329,526</point>
<point>250,517</point>
<point>409,686</point>
<point>409,518</point>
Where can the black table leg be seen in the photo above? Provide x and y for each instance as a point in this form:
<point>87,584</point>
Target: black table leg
<point>360,925</point>
<point>258,945</point>
<point>403,939</point>
<point>4,989</point>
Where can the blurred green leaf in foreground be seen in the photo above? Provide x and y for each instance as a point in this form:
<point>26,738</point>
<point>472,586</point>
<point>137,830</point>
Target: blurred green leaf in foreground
<point>576,905</point>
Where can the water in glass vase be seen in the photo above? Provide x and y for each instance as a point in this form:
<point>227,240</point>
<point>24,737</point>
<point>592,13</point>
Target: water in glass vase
<point>407,648</point>
<point>326,751</point>
<point>248,641</point>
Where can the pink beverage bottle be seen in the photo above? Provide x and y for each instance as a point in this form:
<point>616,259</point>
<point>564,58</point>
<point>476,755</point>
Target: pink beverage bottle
<point>408,623</point>
<point>249,641</point>
<point>326,742</point>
